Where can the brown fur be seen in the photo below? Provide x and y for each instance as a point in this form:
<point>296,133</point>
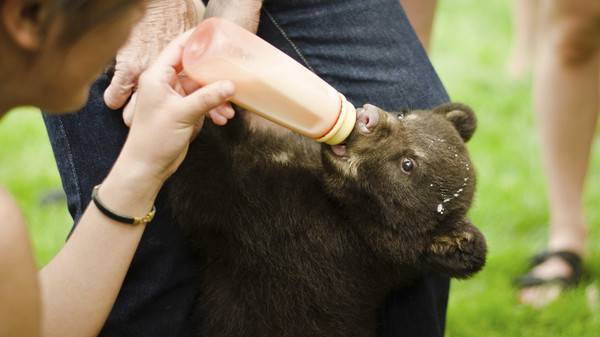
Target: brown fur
<point>295,241</point>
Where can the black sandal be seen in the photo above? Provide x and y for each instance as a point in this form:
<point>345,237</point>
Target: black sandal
<point>571,281</point>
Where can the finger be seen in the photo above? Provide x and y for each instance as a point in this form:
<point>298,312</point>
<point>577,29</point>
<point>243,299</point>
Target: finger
<point>120,88</point>
<point>226,110</point>
<point>217,118</point>
<point>188,84</point>
<point>221,114</point>
<point>129,109</point>
<point>201,101</point>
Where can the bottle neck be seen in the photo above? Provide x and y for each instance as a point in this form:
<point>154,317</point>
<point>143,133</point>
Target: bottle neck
<point>343,125</point>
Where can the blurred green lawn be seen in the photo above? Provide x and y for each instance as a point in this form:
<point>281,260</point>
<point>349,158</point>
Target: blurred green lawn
<point>470,45</point>
<point>28,170</point>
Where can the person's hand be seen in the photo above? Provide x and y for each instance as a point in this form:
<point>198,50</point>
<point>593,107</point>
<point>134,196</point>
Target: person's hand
<point>164,20</point>
<point>168,112</point>
<point>245,13</point>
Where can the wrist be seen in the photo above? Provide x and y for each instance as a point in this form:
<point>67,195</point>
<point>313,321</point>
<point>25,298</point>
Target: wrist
<point>163,21</point>
<point>132,220</point>
<point>130,189</point>
<point>176,16</point>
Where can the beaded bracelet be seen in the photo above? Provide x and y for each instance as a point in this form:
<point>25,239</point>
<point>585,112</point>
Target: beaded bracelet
<point>119,217</point>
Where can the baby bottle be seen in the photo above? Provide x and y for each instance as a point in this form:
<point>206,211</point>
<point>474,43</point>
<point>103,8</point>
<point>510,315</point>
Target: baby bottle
<point>268,82</point>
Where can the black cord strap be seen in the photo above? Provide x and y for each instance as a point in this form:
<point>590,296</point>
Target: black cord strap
<point>119,217</point>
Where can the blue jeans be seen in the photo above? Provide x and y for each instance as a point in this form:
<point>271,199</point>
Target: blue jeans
<point>367,50</point>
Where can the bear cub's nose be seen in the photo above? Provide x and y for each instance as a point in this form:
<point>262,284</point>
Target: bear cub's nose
<point>367,118</point>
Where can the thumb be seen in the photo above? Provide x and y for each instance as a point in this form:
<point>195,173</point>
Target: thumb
<point>120,88</point>
<point>201,101</point>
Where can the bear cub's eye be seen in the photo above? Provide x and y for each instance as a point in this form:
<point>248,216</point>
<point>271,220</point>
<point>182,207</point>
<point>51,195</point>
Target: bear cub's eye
<point>400,115</point>
<point>408,165</point>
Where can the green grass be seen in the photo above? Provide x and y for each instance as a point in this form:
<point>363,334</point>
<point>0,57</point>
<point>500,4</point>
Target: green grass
<point>28,170</point>
<point>470,45</point>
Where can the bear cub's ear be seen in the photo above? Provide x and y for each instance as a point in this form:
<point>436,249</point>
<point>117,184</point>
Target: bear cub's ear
<point>462,116</point>
<point>458,253</point>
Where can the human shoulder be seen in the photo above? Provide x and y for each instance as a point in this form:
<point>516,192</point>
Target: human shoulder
<point>19,293</point>
<point>15,246</point>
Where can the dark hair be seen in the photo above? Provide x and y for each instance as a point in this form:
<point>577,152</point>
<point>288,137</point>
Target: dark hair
<point>83,15</point>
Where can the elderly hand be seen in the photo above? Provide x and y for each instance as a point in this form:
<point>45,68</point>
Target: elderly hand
<point>164,20</point>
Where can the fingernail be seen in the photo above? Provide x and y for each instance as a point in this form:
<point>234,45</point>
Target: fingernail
<point>227,88</point>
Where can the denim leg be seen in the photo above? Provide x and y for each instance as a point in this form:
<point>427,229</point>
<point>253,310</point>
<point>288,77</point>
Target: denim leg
<point>159,288</point>
<point>369,52</point>
<point>366,49</point>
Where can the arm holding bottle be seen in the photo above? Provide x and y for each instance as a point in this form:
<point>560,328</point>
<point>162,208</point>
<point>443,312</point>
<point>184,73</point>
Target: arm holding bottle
<point>80,285</point>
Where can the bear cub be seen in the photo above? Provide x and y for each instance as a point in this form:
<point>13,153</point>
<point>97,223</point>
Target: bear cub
<point>297,238</point>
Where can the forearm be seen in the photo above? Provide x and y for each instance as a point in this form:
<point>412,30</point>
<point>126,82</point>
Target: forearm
<point>80,285</point>
<point>162,22</point>
<point>245,13</point>
<point>166,19</point>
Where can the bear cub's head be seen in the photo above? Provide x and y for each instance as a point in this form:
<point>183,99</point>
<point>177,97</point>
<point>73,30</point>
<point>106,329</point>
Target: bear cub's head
<point>407,180</point>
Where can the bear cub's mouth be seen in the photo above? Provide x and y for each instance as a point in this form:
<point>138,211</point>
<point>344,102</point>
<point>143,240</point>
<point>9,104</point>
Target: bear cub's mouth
<point>367,119</point>
<point>339,150</point>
